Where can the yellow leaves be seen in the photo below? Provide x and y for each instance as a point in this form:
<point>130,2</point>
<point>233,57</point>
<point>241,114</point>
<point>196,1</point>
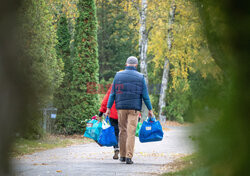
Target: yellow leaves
<point>157,46</point>
<point>43,164</point>
<point>204,75</point>
<point>187,43</point>
<point>69,8</point>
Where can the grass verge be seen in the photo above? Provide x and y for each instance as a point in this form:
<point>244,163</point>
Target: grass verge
<point>186,166</point>
<point>26,146</point>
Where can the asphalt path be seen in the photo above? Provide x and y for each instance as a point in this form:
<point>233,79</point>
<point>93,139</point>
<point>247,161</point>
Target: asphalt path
<point>93,160</point>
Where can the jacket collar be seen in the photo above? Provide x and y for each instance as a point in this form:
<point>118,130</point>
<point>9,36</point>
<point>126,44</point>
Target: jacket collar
<point>130,68</point>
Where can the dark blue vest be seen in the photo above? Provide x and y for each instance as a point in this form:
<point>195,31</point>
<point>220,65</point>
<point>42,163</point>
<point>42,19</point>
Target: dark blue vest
<point>128,89</point>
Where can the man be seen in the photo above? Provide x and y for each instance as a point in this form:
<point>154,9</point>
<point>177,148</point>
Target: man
<point>128,90</point>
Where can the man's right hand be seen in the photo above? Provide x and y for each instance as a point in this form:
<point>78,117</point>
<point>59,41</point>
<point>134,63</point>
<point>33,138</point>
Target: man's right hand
<point>100,116</point>
<point>150,113</point>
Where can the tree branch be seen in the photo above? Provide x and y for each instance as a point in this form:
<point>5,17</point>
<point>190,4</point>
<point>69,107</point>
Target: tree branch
<point>149,29</point>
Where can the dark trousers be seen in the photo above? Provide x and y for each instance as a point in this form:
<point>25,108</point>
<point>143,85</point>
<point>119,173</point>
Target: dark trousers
<point>114,123</point>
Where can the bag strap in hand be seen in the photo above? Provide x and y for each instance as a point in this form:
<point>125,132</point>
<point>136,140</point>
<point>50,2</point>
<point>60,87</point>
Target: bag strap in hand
<point>106,123</point>
<point>107,120</point>
<point>151,119</point>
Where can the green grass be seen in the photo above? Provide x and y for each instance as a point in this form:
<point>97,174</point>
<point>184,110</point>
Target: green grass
<point>26,146</point>
<point>187,166</point>
<point>190,172</point>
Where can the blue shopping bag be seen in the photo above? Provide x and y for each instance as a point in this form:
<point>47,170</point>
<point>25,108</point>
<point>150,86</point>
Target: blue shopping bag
<point>93,129</point>
<point>107,137</point>
<point>151,131</point>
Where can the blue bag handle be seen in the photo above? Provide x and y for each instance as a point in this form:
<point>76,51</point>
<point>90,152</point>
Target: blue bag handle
<point>153,119</point>
<point>107,120</point>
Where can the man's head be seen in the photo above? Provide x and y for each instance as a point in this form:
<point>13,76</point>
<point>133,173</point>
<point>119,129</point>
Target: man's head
<point>132,61</point>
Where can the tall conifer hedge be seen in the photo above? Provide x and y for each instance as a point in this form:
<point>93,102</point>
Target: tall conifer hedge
<point>85,66</point>
<point>62,98</point>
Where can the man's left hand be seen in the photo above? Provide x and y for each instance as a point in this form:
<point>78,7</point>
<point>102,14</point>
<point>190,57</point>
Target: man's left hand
<point>108,112</point>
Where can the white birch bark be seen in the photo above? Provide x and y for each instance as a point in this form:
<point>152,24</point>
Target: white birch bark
<point>165,76</point>
<point>164,85</point>
<point>143,47</point>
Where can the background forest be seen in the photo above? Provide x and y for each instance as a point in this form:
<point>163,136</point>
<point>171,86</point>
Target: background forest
<point>166,36</point>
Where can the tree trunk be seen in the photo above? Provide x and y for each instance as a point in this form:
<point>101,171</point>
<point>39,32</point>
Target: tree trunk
<point>143,47</point>
<point>164,86</point>
<point>165,76</point>
<point>143,42</point>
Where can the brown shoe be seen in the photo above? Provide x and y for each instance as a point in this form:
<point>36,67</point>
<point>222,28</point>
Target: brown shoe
<point>116,157</point>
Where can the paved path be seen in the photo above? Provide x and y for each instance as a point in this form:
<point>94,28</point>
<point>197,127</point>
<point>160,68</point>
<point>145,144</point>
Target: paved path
<point>92,160</point>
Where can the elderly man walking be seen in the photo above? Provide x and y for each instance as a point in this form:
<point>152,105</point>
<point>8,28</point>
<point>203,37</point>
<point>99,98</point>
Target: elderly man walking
<point>128,90</point>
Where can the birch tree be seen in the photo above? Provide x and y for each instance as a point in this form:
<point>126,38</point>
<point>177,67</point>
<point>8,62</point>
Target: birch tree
<point>143,47</point>
<point>165,76</point>
<point>187,53</point>
<point>143,43</point>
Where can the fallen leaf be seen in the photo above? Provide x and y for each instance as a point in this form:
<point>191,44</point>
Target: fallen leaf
<point>59,171</point>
